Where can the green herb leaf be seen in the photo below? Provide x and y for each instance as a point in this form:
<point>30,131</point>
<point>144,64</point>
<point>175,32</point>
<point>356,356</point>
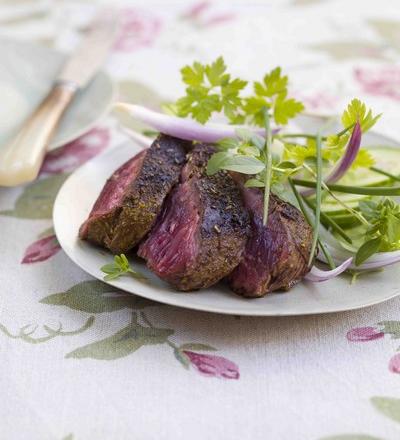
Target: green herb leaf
<point>242,164</point>
<point>119,267</point>
<point>367,249</point>
<point>210,89</point>
<point>357,111</point>
<point>273,84</point>
<point>286,109</point>
<point>384,219</point>
<point>254,183</point>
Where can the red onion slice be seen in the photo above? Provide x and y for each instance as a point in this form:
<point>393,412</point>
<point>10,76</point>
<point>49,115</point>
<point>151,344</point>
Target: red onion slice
<point>343,165</point>
<point>183,128</point>
<point>379,260</point>
<point>317,275</point>
<point>353,147</point>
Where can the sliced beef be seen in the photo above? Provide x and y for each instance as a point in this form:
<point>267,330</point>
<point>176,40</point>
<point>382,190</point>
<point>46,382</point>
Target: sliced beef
<point>203,230</point>
<point>276,256</point>
<point>133,196</point>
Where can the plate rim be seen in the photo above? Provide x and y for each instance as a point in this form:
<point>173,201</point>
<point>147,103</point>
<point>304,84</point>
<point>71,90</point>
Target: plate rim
<point>177,302</point>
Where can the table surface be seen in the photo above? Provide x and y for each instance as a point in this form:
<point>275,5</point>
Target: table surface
<point>81,361</point>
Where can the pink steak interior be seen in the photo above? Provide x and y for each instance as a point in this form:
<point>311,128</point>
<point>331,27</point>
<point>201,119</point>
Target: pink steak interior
<point>173,243</point>
<point>114,189</point>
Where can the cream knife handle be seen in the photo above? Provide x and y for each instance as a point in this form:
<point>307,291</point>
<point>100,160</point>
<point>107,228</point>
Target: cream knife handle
<point>21,159</point>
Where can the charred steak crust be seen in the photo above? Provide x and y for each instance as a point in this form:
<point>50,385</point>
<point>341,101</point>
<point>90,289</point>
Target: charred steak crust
<point>124,225</point>
<point>276,255</point>
<point>219,222</point>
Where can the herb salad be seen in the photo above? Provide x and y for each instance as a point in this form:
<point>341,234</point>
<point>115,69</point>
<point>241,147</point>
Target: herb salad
<point>346,192</point>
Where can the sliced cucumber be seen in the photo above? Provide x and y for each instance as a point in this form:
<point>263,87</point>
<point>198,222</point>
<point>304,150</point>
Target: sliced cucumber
<point>386,159</point>
<point>334,207</point>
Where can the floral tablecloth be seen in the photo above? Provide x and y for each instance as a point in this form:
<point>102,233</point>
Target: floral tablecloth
<point>81,361</point>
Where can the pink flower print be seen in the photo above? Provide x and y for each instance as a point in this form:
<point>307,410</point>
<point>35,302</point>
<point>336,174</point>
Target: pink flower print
<point>202,14</point>
<point>217,19</point>
<point>138,29</point>
<point>394,364</point>
<point>380,82</point>
<point>363,334</point>
<point>213,366</point>
<point>41,250</point>
<point>318,100</point>
<point>69,157</point>
<point>196,10</point>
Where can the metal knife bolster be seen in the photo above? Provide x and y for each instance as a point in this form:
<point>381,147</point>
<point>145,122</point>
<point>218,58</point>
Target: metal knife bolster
<point>66,84</point>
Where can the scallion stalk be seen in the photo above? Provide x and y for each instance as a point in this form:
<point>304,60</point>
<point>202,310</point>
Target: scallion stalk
<point>318,197</point>
<point>268,164</point>
<point>301,201</point>
<point>363,190</point>
<point>385,173</point>
<point>330,222</point>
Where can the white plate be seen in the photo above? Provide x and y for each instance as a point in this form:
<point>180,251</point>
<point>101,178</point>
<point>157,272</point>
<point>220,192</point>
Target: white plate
<point>27,72</point>
<point>75,201</point>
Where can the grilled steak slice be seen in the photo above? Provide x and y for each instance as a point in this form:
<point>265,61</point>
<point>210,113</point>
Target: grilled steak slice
<point>203,230</point>
<point>133,196</point>
<point>276,255</point>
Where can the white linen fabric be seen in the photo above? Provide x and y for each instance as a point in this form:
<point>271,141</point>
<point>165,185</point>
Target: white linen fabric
<point>81,361</point>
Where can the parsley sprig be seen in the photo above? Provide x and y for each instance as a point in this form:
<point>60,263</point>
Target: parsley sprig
<point>119,267</point>
<point>210,89</point>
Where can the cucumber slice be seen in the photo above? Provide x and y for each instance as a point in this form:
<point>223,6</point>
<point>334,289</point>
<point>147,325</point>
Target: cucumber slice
<point>386,158</point>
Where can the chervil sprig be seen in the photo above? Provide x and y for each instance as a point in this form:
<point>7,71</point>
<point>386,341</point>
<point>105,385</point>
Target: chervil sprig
<point>119,267</point>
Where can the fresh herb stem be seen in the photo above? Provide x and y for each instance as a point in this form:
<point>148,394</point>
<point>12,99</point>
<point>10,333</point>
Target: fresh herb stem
<point>345,130</point>
<point>345,221</point>
<point>330,222</point>
<point>312,136</point>
<point>303,209</point>
<point>298,135</point>
<point>318,197</point>
<point>385,173</point>
<point>268,163</point>
<point>120,266</point>
<point>347,208</point>
<point>327,254</point>
<point>348,189</point>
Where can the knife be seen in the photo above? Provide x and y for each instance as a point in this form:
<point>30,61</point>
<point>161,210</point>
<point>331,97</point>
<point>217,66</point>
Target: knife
<point>21,159</point>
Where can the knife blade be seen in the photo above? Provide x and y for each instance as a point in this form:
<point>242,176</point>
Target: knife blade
<point>21,159</point>
<point>91,53</point>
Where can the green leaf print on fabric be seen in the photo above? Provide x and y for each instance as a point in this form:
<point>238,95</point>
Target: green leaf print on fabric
<point>182,358</point>
<point>124,342</point>
<point>351,437</point>
<point>37,199</point>
<point>26,332</point>
<point>389,30</point>
<point>96,297</point>
<point>388,406</point>
<point>197,346</point>
<point>69,437</point>
<point>391,328</point>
